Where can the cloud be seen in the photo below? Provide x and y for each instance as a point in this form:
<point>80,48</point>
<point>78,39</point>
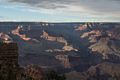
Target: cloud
<point>99,9</point>
<point>86,6</point>
<point>47,4</point>
<point>102,6</point>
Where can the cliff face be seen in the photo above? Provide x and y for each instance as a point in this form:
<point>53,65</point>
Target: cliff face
<point>85,26</point>
<point>102,71</point>
<point>52,38</point>
<point>103,40</point>
<point>69,48</point>
<point>5,38</point>
<point>66,47</point>
<point>25,34</point>
<point>8,61</point>
<point>35,72</point>
<point>82,27</point>
<point>17,32</point>
<point>114,33</point>
<point>110,69</point>
<point>85,51</point>
<point>102,47</point>
<point>93,35</point>
<point>64,60</point>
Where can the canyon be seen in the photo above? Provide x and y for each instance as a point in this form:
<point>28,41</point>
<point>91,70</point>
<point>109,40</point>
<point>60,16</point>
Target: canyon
<point>85,51</point>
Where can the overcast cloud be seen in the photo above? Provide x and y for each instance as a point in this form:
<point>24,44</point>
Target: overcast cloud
<point>93,8</point>
<point>93,5</point>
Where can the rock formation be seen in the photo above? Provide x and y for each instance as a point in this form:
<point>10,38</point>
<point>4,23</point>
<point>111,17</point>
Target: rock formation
<point>35,72</point>
<point>5,38</point>
<point>64,60</point>
<point>52,38</point>
<point>22,36</point>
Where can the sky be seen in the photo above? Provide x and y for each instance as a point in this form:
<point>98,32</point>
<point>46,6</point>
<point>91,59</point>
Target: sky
<point>60,10</point>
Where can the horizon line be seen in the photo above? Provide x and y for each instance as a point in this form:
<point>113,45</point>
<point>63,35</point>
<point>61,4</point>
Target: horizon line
<point>64,21</point>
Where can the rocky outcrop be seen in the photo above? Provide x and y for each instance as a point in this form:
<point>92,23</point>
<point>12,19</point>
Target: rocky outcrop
<point>102,47</point>
<point>5,38</point>
<point>18,31</point>
<point>52,38</point>
<point>74,75</point>
<point>69,48</point>
<point>109,70</point>
<point>64,60</point>
<point>93,33</point>
<point>114,33</point>
<point>102,71</point>
<point>66,47</point>
<point>103,40</point>
<point>84,26</point>
<point>22,36</point>
<point>8,61</point>
<point>35,72</point>
<point>106,47</point>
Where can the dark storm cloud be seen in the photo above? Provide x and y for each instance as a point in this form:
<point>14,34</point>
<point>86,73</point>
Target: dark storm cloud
<point>100,6</point>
